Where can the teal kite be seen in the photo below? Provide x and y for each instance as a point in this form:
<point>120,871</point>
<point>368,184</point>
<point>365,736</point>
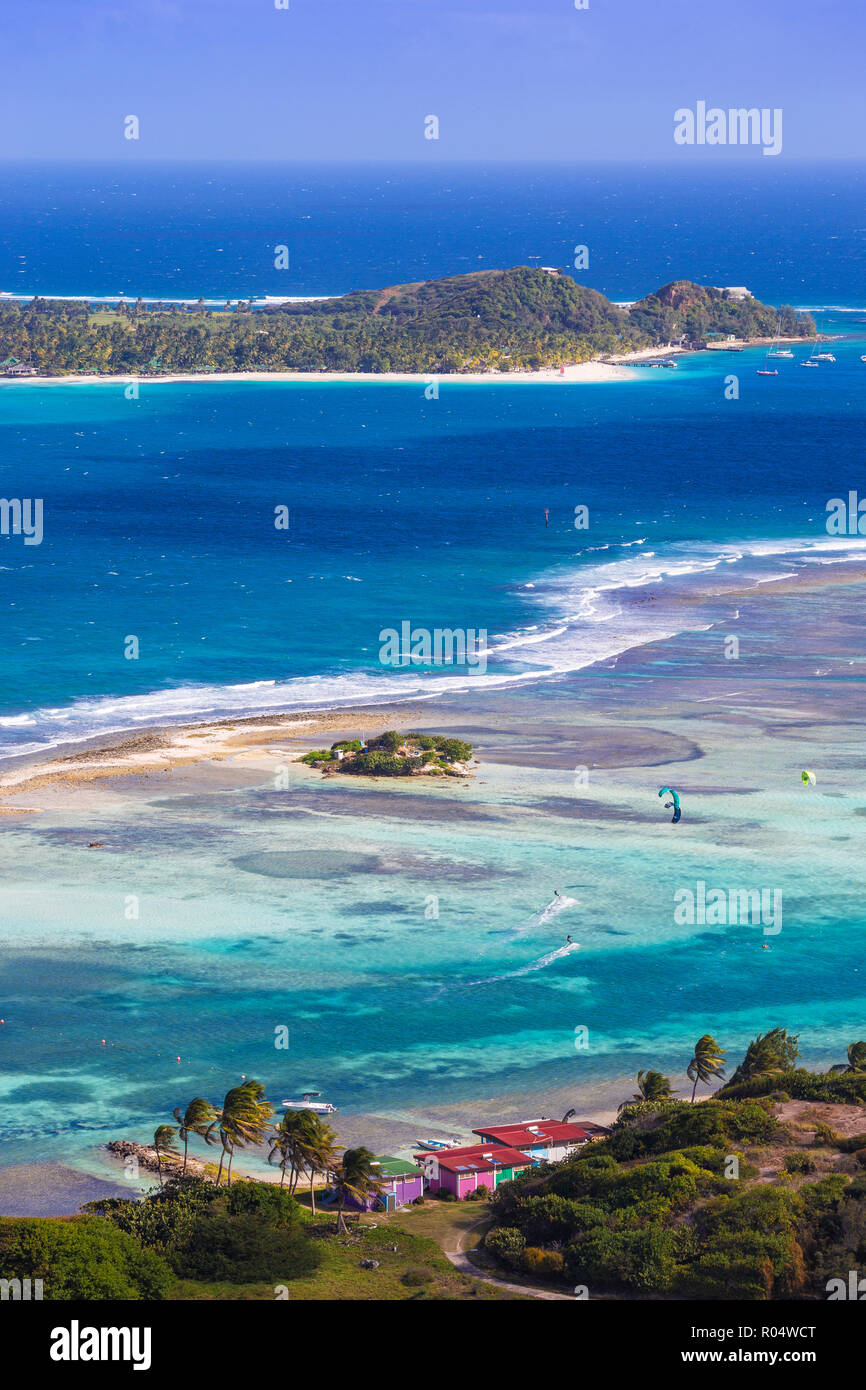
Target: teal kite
<point>669,791</point>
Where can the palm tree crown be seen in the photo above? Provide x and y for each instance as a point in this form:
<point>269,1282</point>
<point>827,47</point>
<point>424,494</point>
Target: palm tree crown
<point>243,1119</point>
<point>163,1143</point>
<point>856,1058</point>
<point>707,1063</point>
<point>199,1118</point>
<point>651,1085</point>
<point>355,1178</point>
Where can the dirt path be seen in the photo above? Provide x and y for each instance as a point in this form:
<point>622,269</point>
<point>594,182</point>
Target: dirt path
<point>461,1261</point>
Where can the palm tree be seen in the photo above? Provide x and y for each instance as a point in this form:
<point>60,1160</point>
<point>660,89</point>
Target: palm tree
<point>707,1063</point>
<point>769,1054</point>
<point>651,1085</point>
<point>286,1141</point>
<point>243,1120</point>
<point>198,1118</point>
<point>856,1058</point>
<point>354,1178</point>
<point>163,1143</point>
<point>318,1151</point>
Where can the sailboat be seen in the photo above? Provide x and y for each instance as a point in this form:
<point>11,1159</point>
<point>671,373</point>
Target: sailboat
<point>767,370</point>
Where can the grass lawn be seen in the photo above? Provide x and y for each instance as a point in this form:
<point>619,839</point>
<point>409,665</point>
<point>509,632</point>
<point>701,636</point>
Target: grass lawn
<point>418,1235</point>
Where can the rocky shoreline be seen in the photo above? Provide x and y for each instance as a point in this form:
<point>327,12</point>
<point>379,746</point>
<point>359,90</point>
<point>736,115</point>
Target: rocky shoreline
<point>145,1156</point>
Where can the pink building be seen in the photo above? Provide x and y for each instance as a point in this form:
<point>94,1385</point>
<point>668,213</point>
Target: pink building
<point>461,1171</point>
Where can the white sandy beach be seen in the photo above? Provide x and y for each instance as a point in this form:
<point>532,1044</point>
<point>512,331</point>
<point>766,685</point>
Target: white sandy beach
<point>579,372</point>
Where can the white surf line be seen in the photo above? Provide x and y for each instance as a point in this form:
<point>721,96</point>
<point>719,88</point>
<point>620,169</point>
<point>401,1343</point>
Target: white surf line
<point>704,698</point>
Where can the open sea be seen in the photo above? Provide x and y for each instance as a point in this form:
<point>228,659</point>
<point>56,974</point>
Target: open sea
<point>309,907</point>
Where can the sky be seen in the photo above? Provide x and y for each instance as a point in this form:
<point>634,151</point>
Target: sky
<point>356,79</point>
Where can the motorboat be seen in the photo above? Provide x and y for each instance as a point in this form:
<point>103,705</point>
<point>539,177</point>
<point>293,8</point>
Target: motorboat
<point>311,1100</point>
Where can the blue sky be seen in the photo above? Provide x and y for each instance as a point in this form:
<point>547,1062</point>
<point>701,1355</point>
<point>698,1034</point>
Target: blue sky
<point>354,79</point>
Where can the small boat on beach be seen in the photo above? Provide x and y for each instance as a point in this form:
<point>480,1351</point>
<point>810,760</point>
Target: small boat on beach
<point>311,1100</point>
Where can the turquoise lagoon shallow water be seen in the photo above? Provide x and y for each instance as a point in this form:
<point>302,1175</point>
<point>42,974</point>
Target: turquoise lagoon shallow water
<point>306,907</point>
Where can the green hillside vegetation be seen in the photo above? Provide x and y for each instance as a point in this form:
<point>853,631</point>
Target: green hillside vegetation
<point>701,314</point>
<point>520,318</point>
<point>719,1200</point>
<point>250,1241</point>
<point>432,755</point>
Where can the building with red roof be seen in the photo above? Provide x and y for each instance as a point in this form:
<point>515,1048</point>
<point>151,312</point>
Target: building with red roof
<point>545,1140</point>
<point>463,1170</point>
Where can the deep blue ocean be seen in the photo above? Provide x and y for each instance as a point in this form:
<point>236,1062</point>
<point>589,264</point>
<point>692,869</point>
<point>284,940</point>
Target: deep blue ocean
<point>791,232</point>
<point>305,907</point>
<point>159,524</point>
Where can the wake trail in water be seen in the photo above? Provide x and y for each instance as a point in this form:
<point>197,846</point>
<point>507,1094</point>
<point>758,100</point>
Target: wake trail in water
<point>554,908</point>
<point>540,964</point>
<point>538,919</point>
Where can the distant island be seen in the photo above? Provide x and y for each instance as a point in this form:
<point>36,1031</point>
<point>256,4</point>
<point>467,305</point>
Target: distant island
<point>522,319</point>
<point>395,755</point>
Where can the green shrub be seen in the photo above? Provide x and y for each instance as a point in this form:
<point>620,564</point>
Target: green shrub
<point>454,750</point>
<point>165,1218</point>
<point>847,1089</point>
<point>825,1134</point>
<point>415,1276</point>
<point>377,764</point>
<point>244,1250</point>
<point>851,1145</point>
<point>799,1162</point>
<point>721,1276</point>
<point>389,741</point>
<point>645,1261</point>
<point>822,1197</point>
<point>506,1245</point>
<point>348,745</point>
<point>546,1264</point>
<point>266,1200</point>
<point>82,1259</point>
<point>318,755</point>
